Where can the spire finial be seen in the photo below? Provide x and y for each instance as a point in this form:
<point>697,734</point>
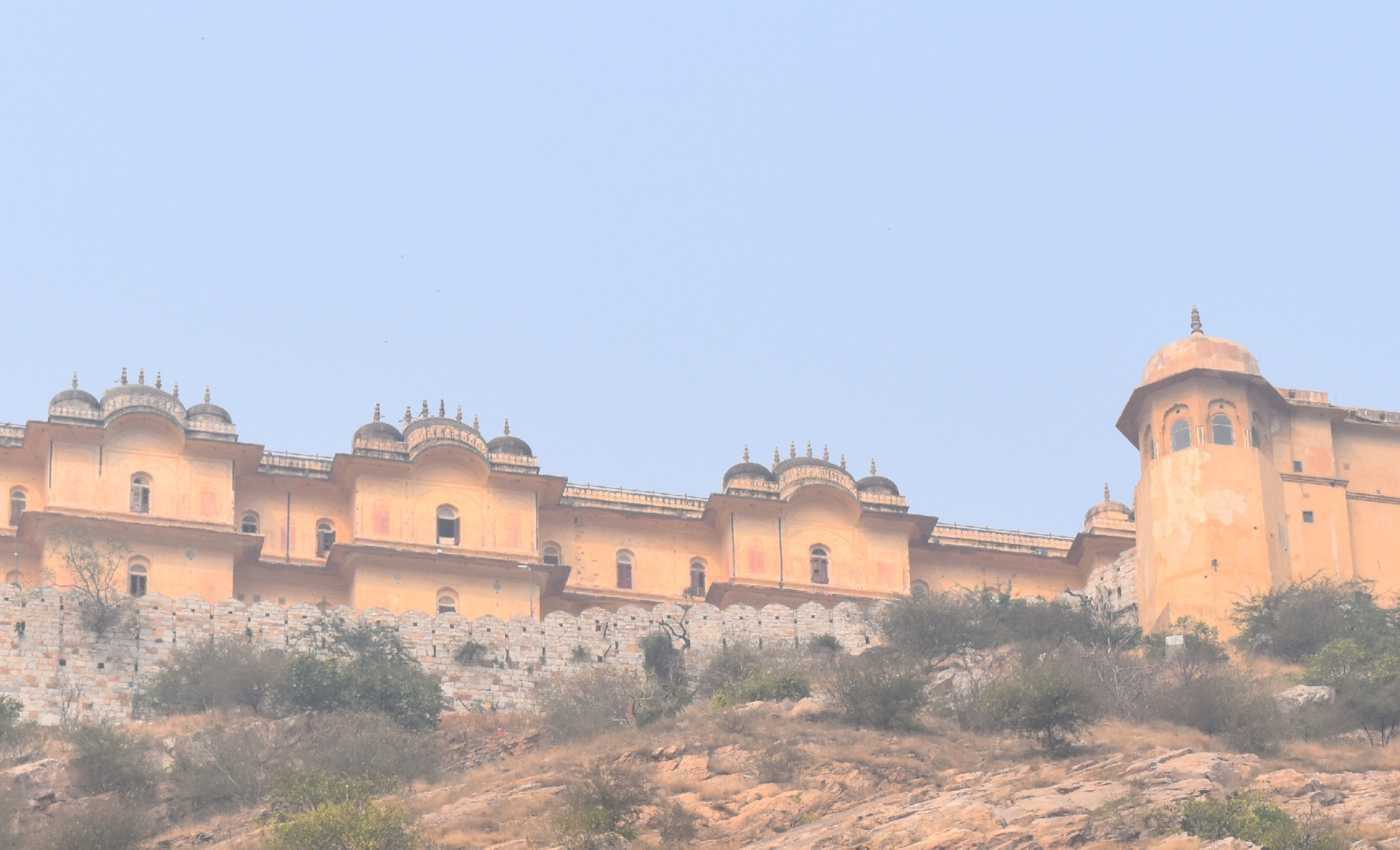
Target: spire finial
<point>746,454</point>
<point>809,448</point>
<point>157,380</point>
<point>873,469</point>
<point>1105,491</point>
<point>176,391</point>
<point>141,375</point>
<point>777,459</point>
<point>843,461</point>
<point>476,423</point>
<point>1196,321</point>
<point>826,454</point>
<point>424,412</point>
<point>408,413</point>
<point>75,380</point>
<point>206,393</point>
<point>376,411</point>
<point>442,409</point>
<point>507,426</point>
<point>459,413</point>
<point>123,378</point>
<point>792,448</point>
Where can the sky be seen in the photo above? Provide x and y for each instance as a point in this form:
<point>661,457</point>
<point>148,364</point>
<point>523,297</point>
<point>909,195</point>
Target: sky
<point>946,236</point>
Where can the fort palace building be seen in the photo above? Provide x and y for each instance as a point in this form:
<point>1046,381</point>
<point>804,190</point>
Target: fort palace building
<point>1243,486</point>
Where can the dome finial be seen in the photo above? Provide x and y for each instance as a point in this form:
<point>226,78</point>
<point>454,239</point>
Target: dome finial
<point>1105,491</point>
<point>507,426</point>
<point>843,461</point>
<point>75,380</point>
<point>376,411</point>
<point>1196,322</point>
<point>176,391</point>
<point>476,423</point>
<point>777,458</point>
<point>746,454</point>
<point>424,412</point>
<point>157,380</point>
<point>792,448</point>
<point>873,470</point>
<point>809,448</point>
<point>141,376</point>
<point>459,413</point>
<point>442,409</point>
<point>123,378</point>
<point>206,393</point>
<point>826,454</point>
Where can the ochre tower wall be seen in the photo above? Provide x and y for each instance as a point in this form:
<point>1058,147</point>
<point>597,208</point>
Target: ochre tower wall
<point>59,670</point>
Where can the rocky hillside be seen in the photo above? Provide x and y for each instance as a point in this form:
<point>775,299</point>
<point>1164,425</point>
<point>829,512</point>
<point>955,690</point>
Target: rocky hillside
<point>783,776</point>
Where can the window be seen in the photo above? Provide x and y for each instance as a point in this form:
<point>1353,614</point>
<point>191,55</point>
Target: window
<point>1149,447</point>
<point>1222,431</point>
<point>249,524</point>
<point>551,555</point>
<point>325,537</point>
<point>18,500</point>
<point>449,526</point>
<point>136,577</point>
<point>821,565</point>
<point>1181,435</point>
<point>447,601</point>
<point>12,577</point>
<point>140,493</point>
<point>919,589</point>
<point>1307,516</point>
<point>624,569</point>
<point>697,578</point>
<point>1297,466</point>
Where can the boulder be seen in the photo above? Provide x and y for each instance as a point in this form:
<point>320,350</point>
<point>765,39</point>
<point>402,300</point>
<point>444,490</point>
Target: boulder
<point>1300,696</point>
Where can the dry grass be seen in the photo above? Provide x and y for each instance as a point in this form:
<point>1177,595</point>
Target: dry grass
<point>1337,756</point>
<point>1136,739</point>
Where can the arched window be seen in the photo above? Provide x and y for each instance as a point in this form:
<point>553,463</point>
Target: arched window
<point>325,537</point>
<point>249,523</point>
<point>624,569</point>
<point>18,500</point>
<point>447,601</point>
<point>919,589</point>
<point>137,574</point>
<point>551,555</point>
<point>821,565</point>
<point>1181,435</point>
<point>449,526</point>
<point>140,493</point>
<point>697,577</point>
<point>12,577</point>
<point>1222,430</point>
<point>1256,432</point>
<point>1149,445</point>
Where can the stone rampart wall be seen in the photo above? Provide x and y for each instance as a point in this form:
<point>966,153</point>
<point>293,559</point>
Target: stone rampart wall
<point>59,670</point>
<point>1117,579</point>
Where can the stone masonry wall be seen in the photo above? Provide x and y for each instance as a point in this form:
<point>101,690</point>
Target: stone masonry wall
<point>59,670</point>
<point>1118,579</point>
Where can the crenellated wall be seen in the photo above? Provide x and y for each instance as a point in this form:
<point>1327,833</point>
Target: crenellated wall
<point>59,670</point>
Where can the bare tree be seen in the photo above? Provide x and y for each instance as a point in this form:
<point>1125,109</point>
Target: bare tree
<point>93,568</point>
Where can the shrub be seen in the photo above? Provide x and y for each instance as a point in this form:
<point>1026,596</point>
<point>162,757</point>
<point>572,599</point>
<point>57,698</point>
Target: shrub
<point>931,629</point>
<point>224,767</point>
<point>1049,702</point>
<point>580,654</point>
<point>368,746</point>
<point>473,654</point>
<point>602,806</point>
<point>765,685</point>
<point>219,673</point>
<point>869,690</point>
<point>676,825</point>
<point>778,762</point>
<point>1226,704</point>
<point>106,758</point>
<point>363,668</point>
<point>1201,649</point>
<point>1249,818</point>
<point>348,826</point>
<point>15,733</point>
<point>298,790</point>
<point>666,689</point>
<point>586,703</point>
<point>1367,682</point>
<point>732,664</point>
<point>1298,620</point>
<point>824,645</point>
<point>100,825</point>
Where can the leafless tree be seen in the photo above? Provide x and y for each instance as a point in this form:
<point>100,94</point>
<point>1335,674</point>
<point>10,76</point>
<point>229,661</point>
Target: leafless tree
<point>93,568</point>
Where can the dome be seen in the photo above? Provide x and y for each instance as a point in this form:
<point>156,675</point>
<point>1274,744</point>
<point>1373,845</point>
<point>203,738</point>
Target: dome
<point>1199,351</point>
<point>139,396</point>
<point>877,484</point>
<point>747,468</point>
<point>508,445</point>
<point>76,397</point>
<point>1108,510</point>
<point>207,409</point>
<point>377,430</point>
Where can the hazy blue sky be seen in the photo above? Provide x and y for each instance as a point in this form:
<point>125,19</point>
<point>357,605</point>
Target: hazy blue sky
<point>946,235</point>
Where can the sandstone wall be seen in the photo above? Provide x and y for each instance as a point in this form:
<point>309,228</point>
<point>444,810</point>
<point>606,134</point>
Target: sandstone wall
<point>58,669</point>
<point>1118,579</point>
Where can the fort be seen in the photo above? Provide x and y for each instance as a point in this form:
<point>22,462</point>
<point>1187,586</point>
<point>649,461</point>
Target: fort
<point>1243,487</point>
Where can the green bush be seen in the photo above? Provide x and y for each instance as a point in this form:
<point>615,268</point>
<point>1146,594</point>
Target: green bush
<point>15,733</point>
<point>1367,683</point>
<point>1225,703</point>
<point>100,825</point>
<point>872,690</point>
<point>1298,620</point>
<point>1249,818</point>
<point>219,673</point>
<point>1049,701</point>
<point>368,746</point>
<point>473,654</point>
<point>297,790</point>
<point>676,825</point>
<point>348,826</point>
<point>666,690</point>
<point>824,645</point>
<point>602,807</point>
<point>583,704</point>
<point>732,664</point>
<point>764,686</point>
<point>363,668</point>
<point>106,758</point>
<point>225,768</point>
<point>1200,652</point>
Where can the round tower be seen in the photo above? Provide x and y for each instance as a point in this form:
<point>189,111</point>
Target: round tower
<point>1209,498</point>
